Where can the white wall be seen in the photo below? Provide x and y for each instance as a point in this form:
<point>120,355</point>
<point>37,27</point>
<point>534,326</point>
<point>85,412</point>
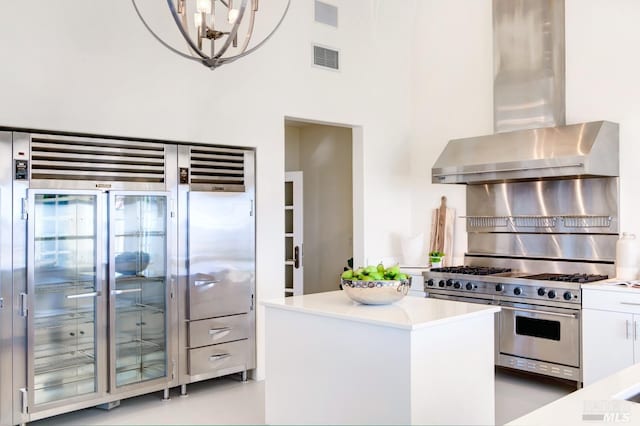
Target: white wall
<point>291,149</point>
<point>452,98</point>
<point>603,83</point>
<point>81,66</point>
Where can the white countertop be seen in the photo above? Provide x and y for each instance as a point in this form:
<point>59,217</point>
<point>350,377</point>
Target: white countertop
<point>613,284</point>
<point>408,313</point>
<point>600,402</point>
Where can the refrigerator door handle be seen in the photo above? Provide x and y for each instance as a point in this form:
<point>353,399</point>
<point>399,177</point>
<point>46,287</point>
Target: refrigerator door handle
<point>200,283</point>
<point>83,295</point>
<point>130,290</point>
<point>24,306</point>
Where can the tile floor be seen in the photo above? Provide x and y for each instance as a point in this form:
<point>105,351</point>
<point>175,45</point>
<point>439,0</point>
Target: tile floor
<point>229,401</point>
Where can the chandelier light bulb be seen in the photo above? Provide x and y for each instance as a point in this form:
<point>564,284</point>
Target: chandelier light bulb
<point>233,16</point>
<point>197,19</point>
<point>204,6</point>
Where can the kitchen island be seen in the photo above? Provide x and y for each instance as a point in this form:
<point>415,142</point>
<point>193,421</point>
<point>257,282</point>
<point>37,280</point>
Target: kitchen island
<point>330,360</point>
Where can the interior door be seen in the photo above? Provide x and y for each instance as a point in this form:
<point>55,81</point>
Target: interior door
<point>294,234</point>
<point>221,253</point>
<point>139,291</point>
<point>64,283</point>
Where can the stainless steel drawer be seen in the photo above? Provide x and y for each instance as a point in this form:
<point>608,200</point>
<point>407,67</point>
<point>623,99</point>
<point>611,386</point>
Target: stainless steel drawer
<point>232,356</point>
<point>219,330</point>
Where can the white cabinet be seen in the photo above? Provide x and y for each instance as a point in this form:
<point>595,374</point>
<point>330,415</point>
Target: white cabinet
<point>610,332</point>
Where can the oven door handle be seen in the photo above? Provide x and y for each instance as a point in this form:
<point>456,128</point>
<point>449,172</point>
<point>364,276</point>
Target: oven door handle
<point>535,311</point>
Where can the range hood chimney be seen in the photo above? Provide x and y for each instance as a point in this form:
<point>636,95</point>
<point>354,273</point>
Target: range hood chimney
<point>531,140</point>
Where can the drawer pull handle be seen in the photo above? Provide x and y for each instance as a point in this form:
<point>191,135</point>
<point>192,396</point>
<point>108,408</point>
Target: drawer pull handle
<point>214,331</point>
<point>630,303</point>
<point>213,358</point>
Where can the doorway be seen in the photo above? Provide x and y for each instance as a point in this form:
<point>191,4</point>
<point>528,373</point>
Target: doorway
<point>323,156</point>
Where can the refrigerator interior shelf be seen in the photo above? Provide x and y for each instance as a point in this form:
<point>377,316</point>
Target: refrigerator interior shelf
<point>64,287</point>
<point>71,237</point>
<point>64,381</point>
<point>141,234</point>
<point>56,318</point>
<point>63,361</point>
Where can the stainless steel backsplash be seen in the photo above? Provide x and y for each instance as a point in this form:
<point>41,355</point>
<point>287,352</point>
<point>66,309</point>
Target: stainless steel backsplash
<point>558,219</point>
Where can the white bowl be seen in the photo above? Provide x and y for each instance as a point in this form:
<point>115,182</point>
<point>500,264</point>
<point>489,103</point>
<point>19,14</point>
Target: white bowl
<point>376,292</point>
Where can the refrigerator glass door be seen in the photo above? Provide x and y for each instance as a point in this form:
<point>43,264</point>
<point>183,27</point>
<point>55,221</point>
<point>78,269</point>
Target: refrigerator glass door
<point>63,285</point>
<point>221,254</point>
<point>138,287</point>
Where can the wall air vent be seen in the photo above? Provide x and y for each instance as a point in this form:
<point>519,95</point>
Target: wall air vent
<point>217,169</point>
<point>325,57</point>
<point>325,13</point>
<point>87,162</point>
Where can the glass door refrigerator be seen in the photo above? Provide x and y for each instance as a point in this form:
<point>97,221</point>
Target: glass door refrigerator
<point>94,290</point>
<point>139,286</point>
<point>64,281</point>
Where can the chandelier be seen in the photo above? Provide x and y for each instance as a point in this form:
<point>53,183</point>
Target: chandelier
<point>217,32</point>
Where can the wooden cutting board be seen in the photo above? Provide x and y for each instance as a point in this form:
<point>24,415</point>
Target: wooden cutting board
<point>442,221</point>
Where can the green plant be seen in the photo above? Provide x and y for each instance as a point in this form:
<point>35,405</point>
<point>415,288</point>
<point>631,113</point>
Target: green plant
<point>436,254</point>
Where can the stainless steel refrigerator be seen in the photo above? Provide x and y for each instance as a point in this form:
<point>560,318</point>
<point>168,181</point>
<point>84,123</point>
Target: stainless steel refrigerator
<point>128,266</point>
<point>217,262</point>
<point>93,236</point>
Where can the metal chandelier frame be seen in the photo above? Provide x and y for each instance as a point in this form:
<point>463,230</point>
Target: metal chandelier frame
<point>214,58</point>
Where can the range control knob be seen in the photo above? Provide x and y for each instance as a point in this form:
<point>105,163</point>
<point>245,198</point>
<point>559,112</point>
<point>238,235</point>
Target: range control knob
<point>430,283</point>
<point>469,286</point>
<point>456,284</point>
<point>552,294</point>
<point>517,291</point>
<point>449,283</point>
<point>441,283</point>
<point>567,295</point>
<point>499,287</point>
<point>542,291</point>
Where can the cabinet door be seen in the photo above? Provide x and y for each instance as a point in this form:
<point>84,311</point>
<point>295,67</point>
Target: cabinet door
<point>63,288</point>
<point>607,343</point>
<point>636,335</point>
<point>138,288</point>
<point>221,254</point>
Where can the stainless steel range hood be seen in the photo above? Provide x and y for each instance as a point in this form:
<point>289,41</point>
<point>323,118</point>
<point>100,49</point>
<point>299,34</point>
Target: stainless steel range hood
<point>579,150</point>
<point>531,140</point>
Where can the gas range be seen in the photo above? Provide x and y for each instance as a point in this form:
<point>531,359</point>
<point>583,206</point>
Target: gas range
<point>497,283</point>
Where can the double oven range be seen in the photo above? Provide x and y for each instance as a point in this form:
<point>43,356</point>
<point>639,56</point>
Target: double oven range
<point>538,328</point>
<point>531,245</point>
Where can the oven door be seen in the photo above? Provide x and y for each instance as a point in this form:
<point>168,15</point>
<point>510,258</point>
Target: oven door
<point>540,332</point>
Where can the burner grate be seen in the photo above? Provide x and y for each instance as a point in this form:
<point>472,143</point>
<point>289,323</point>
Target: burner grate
<point>573,278</point>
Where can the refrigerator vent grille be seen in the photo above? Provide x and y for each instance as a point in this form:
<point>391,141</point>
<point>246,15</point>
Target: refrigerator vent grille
<point>217,169</point>
<point>93,159</point>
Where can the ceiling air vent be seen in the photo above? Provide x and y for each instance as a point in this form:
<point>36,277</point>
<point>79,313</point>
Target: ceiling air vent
<point>86,162</point>
<point>326,13</point>
<point>217,169</point>
<point>325,57</point>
